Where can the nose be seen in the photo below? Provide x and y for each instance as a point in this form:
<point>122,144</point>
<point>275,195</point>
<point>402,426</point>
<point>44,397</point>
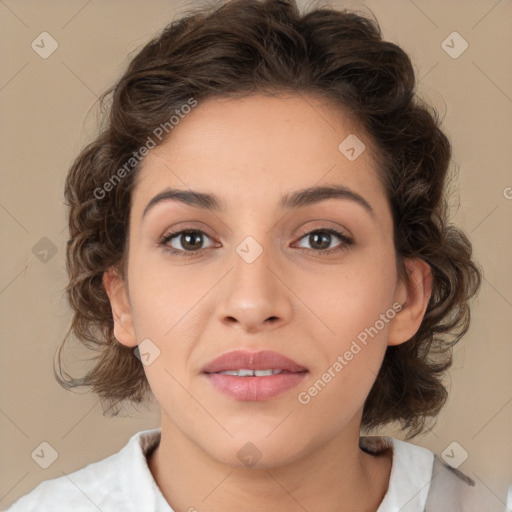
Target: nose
<point>255,297</point>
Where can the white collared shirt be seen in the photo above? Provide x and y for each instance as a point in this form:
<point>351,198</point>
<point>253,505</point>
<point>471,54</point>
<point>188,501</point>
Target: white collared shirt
<point>124,483</point>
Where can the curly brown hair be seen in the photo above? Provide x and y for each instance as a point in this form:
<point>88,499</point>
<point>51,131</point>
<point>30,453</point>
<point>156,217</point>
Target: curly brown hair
<point>244,47</point>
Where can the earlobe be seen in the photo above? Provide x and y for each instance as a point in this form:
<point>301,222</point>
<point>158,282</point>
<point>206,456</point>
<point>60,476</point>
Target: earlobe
<point>121,308</point>
<point>413,293</point>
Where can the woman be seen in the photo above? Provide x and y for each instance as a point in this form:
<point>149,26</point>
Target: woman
<point>259,240</point>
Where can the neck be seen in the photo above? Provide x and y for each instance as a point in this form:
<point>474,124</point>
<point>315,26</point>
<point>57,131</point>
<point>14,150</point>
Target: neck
<point>337,476</point>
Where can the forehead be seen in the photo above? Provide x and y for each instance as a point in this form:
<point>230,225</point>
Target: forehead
<point>257,148</point>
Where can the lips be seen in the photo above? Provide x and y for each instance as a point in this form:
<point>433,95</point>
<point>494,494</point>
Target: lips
<point>245,360</point>
<point>245,376</point>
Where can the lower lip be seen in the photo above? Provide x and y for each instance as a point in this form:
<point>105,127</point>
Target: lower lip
<point>255,388</point>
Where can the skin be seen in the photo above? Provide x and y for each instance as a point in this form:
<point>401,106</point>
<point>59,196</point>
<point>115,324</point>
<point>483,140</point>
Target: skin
<point>295,299</point>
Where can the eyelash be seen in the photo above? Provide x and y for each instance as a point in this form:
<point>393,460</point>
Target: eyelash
<point>346,241</point>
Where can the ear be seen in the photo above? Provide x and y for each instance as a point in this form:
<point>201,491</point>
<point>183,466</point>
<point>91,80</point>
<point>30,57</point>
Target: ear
<point>121,308</point>
<point>413,293</point>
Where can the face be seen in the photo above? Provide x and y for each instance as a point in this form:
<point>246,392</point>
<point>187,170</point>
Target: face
<point>314,279</point>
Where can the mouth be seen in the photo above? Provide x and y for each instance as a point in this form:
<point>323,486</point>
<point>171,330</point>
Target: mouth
<point>243,361</point>
<point>254,376</point>
<point>253,373</point>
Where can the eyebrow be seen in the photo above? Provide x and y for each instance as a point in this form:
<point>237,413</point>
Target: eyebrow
<point>292,200</point>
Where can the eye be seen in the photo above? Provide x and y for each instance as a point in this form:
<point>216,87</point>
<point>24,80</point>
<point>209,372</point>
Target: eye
<point>187,241</point>
<point>321,240</point>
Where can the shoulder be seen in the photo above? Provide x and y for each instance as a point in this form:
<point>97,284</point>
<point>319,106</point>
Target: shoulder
<point>421,481</point>
<point>452,490</point>
<point>113,483</point>
<point>78,491</point>
<point>411,470</point>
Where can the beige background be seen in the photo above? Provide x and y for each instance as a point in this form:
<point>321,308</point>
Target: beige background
<point>47,115</point>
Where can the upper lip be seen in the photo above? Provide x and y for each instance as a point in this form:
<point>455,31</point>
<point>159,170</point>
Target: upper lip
<point>243,359</point>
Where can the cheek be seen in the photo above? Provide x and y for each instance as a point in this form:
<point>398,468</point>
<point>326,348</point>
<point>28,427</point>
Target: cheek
<point>169,311</point>
<point>353,297</point>
<point>167,314</point>
<point>355,306</point>
<point>351,357</point>
<point>163,301</point>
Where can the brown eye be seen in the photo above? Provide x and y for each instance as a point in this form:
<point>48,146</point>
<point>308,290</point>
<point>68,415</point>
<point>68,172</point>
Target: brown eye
<point>321,239</point>
<point>188,242</point>
<point>185,241</point>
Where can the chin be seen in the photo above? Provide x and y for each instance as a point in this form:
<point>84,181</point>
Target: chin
<point>257,452</point>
